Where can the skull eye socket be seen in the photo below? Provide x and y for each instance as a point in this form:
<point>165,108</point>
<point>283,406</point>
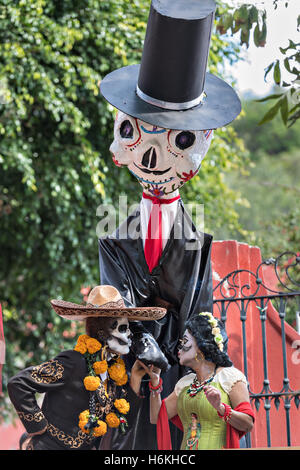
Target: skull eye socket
<point>114,325</point>
<point>122,328</point>
<point>184,140</point>
<point>126,130</point>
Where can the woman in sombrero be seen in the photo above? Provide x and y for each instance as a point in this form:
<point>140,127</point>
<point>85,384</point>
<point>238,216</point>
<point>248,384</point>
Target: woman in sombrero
<point>86,389</point>
<point>210,404</point>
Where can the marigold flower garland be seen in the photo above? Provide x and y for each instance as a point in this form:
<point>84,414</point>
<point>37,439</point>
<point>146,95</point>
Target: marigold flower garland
<point>88,421</point>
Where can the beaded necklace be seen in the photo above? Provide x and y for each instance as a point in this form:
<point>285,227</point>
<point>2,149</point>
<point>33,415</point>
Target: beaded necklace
<point>197,386</point>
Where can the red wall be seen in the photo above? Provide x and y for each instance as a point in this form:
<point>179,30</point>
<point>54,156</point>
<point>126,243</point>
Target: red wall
<point>10,434</point>
<point>228,256</point>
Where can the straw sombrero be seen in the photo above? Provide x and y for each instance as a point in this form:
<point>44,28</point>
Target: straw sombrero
<point>105,301</point>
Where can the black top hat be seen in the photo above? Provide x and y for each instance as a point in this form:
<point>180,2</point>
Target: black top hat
<point>171,88</point>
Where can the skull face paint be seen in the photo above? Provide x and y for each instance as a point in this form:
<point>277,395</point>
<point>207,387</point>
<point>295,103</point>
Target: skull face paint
<point>161,159</point>
<point>188,349</point>
<point>119,340</point>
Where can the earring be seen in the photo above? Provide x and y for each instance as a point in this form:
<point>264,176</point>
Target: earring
<point>201,356</point>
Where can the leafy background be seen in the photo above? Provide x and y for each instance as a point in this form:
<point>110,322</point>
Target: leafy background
<point>55,166</point>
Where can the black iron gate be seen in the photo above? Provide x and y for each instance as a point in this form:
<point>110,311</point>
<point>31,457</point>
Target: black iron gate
<point>247,291</point>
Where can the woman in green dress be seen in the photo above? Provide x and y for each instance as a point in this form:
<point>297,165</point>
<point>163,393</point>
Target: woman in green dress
<point>212,401</point>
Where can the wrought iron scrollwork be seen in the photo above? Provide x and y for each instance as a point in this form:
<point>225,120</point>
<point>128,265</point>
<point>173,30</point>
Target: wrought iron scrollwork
<point>247,292</point>
<point>230,286</point>
<point>288,268</point>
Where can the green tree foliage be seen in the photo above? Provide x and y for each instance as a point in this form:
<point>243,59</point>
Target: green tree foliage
<point>55,165</point>
<point>269,182</point>
<point>272,138</point>
<point>247,18</point>
<point>269,185</point>
<point>287,102</point>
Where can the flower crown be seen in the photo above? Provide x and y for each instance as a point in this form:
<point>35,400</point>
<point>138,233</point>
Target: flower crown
<point>215,329</point>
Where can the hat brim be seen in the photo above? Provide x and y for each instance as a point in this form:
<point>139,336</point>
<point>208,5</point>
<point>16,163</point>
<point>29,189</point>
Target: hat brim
<point>73,311</point>
<point>220,107</point>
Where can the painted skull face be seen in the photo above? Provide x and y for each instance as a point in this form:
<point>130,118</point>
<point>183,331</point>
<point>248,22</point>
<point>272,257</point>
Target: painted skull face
<point>119,340</point>
<point>188,349</point>
<point>161,159</point>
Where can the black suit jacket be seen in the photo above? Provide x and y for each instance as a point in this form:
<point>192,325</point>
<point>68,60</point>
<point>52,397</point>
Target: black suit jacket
<point>182,281</point>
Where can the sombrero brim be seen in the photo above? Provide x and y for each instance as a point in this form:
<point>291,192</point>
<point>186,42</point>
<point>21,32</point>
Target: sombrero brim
<point>73,311</point>
<point>220,107</point>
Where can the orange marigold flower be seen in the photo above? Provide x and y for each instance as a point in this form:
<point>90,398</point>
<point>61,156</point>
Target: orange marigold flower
<point>112,420</point>
<point>101,429</point>
<point>84,415</point>
<point>81,348</point>
<point>93,345</point>
<point>91,383</point>
<point>82,338</point>
<point>122,405</point>
<point>117,371</point>
<point>81,425</point>
<point>100,367</point>
<point>120,361</point>
<point>122,380</point>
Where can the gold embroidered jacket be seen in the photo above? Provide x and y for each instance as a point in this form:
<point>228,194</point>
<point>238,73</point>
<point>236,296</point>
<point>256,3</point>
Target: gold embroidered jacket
<point>61,379</point>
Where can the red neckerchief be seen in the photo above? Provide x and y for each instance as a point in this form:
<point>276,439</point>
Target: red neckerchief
<point>153,243</point>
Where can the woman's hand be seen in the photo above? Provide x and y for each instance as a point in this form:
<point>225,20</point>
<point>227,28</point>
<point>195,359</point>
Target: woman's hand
<point>154,374</point>
<point>239,393</point>
<point>213,395</point>
<point>139,369</point>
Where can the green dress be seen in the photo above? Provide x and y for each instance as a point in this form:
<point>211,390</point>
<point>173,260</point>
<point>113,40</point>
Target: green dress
<point>203,428</point>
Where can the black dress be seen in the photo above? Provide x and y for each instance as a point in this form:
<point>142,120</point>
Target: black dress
<point>182,282</point>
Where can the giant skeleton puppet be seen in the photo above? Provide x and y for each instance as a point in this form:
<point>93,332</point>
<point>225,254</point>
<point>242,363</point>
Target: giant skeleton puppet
<point>167,108</point>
